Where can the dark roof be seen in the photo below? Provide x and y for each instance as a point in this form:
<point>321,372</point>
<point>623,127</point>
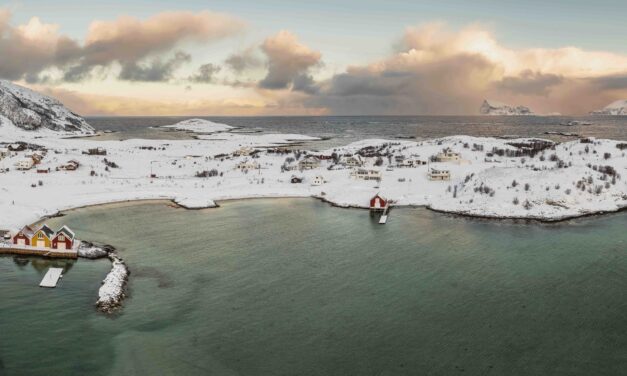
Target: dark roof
<point>66,230</point>
<point>46,230</point>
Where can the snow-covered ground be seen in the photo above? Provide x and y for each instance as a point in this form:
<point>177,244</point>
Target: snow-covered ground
<point>112,291</point>
<point>564,180</point>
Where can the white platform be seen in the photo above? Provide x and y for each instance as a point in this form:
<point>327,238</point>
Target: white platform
<point>51,278</point>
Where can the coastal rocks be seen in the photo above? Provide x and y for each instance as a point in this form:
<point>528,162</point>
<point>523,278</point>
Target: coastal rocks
<point>112,292</point>
<point>113,289</point>
<point>90,251</point>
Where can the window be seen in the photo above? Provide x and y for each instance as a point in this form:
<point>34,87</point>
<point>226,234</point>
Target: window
<point>40,236</point>
<point>61,238</point>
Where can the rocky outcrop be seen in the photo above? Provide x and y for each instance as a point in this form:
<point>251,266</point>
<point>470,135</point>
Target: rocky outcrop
<point>32,111</point>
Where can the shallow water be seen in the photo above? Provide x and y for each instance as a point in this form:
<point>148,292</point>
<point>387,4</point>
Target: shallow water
<point>297,287</point>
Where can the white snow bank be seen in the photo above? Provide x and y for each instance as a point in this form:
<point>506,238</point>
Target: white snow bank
<point>200,126</point>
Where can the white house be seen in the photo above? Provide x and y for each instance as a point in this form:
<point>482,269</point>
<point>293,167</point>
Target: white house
<point>244,151</point>
<point>25,164</point>
<point>309,163</point>
<point>366,174</point>
<point>448,156</point>
<point>435,174</point>
<point>318,180</point>
<point>353,161</point>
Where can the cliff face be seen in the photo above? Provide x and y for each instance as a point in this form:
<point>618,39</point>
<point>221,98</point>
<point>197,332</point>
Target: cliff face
<point>32,111</point>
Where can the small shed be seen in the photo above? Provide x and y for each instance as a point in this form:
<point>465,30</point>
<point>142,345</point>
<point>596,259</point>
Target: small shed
<point>378,202</point>
<point>24,236</point>
<point>64,239</point>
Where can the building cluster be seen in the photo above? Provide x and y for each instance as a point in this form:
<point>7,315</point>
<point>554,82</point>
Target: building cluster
<point>45,237</point>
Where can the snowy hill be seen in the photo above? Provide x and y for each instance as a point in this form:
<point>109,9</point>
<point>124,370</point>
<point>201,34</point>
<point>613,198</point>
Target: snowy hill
<point>618,107</point>
<point>32,111</point>
<point>490,107</point>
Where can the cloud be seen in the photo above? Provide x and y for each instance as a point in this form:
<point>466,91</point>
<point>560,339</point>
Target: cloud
<point>206,73</point>
<point>438,71</point>
<point>28,49</point>
<point>529,82</point>
<point>244,60</point>
<point>287,60</point>
<point>157,70</point>
<point>133,44</point>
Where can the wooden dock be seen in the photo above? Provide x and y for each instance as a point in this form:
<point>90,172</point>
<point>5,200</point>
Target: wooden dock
<point>384,216</point>
<point>51,278</point>
<point>14,249</point>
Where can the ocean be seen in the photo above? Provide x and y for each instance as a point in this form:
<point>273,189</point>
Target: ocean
<point>340,130</point>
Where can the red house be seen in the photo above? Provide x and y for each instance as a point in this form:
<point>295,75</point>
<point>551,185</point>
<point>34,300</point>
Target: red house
<point>64,239</point>
<point>378,202</point>
<point>24,236</point>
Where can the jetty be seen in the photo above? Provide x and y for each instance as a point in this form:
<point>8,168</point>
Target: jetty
<point>51,278</point>
<point>384,216</point>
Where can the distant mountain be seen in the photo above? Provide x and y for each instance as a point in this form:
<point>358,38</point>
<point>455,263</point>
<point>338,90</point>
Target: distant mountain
<point>615,108</point>
<point>490,107</point>
<point>32,111</point>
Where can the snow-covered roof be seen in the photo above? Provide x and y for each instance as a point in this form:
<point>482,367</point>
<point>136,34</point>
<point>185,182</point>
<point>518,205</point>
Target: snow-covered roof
<point>66,230</point>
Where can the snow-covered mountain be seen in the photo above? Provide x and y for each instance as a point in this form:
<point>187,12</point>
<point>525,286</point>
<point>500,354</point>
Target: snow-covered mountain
<point>490,107</point>
<point>32,111</point>
<point>618,107</point>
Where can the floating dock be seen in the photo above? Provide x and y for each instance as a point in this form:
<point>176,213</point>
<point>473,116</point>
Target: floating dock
<point>384,216</point>
<point>51,278</point>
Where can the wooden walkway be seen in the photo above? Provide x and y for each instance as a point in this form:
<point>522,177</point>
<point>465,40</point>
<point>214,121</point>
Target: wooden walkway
<point>51,278</point>
<point>14,249</point>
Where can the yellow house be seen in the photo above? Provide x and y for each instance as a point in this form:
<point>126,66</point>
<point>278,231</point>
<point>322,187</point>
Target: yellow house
<point>42,237</point>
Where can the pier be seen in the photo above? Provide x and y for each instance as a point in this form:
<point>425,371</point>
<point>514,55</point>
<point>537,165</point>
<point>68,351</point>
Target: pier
<point>384,216</point>
<point>51,278</point>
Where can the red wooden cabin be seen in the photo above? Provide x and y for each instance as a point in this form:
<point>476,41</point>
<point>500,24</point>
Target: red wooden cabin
<point>64,239</point>
<point>23,236</point>
<point>378,202</point>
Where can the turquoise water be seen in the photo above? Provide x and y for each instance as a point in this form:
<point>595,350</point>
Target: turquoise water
<point>296,287</point>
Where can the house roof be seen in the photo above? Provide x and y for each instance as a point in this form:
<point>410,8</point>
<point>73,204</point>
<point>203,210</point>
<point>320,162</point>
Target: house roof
<point>66,230</point>
<point>46,230</point>
<point>27,231</point>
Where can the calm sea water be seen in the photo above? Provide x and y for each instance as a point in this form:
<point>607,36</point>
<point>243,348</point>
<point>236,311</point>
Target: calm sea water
<point>297,287</point>
<point>340,130</point>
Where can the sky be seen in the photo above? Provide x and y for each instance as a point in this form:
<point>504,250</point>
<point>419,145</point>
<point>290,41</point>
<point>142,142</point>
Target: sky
<point>241,57</point>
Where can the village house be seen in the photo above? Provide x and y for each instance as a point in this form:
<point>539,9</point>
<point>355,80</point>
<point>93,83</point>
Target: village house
<point>318,180</point>
<point>378,202</point>
<point>4,152</point>
<point>435,174</point>
<point>17,147</point>
<point>96,151</point>
<point>70,165</point>
<point>24,164</point>
<point>448,156</point>
<point>309,163</point>
<point>24,236</point>
<point>64,239</point>
<point>366,174</point>
<point>247,165</point>
<point>243,151</point>
<point>352,161</point>
<point>42,237</point>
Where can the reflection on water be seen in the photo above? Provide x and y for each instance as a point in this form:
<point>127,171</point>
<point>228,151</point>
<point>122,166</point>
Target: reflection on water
<point>294,286</point>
